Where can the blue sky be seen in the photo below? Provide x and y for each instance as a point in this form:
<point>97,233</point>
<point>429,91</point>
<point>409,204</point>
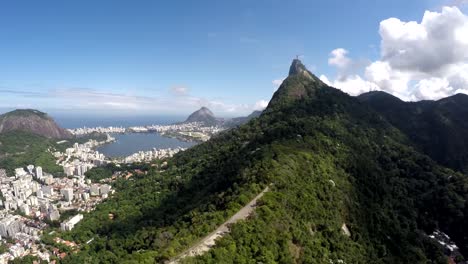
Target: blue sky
<point>171,57</point>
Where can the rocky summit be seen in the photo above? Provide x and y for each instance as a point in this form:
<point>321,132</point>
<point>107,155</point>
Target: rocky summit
<point>202,115</point>
<point>32,121</point>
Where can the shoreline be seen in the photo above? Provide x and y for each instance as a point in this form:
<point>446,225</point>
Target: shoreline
<point>146,150</point>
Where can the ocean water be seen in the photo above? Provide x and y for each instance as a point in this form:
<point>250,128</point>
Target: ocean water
<point>127,144</point>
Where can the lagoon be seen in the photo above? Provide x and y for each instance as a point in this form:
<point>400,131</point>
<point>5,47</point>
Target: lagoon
<point>129,143</point>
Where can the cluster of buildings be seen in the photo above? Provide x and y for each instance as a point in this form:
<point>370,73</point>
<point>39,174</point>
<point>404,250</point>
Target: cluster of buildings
<point>82,157</point>
<point>186,127</point>
<point>195,130</point>
<point>152,154</point>
<point>90,130</point>
<point>32,198</point>
<point>451,250</point>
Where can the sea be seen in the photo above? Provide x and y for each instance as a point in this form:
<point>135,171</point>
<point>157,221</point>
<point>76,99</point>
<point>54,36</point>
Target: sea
<point>129,143</point>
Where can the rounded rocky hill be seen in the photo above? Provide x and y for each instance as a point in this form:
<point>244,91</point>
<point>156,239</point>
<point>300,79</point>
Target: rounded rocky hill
<point>203,115</point>
<point>32,121</point>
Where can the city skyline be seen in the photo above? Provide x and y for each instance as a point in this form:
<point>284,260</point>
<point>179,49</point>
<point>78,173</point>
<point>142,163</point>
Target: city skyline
<point>115,57</point>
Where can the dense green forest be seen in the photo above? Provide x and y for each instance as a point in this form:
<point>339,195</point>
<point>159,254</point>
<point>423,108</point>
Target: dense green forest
<point>19,149</point>
<point>437,128</point>
<point>329,159</point>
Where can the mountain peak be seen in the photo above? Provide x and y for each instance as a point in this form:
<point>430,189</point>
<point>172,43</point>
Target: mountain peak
<point>32,121</point>
<point>298,68</point>
<point>202,115</point>
<point>27,112</point>
<point>299,85</point>
<point>204,111</point>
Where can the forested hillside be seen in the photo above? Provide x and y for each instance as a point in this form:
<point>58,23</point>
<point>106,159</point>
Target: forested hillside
<point>19,149</point>
<point>329,160</point>
<point>437,128</point>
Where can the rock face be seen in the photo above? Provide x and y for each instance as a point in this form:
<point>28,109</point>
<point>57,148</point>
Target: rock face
<point>300,84</point>
<point>298,68</point>
<point>203,115</point>
<point>32,121</point>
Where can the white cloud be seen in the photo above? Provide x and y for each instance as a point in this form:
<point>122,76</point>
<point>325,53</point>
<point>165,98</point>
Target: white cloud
<point>338,58</point>
<point>353,84</point>
<point>432,88</point>
<point>176,101</point>
<point>382,75</point>
<point>179,90</point>
<point>276,83</point>
<point>419,60</point>
<point>425,48</point>
<point>260,105</point>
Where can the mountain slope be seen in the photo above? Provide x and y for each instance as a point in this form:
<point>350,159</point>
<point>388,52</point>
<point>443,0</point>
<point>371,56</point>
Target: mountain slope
<point>202,115</point>
<point>438,128</point>
<point>331,163</point>
<point>19,149</point>
<point>32,121</point>
<point>237,121</point>
<point>301,84</point>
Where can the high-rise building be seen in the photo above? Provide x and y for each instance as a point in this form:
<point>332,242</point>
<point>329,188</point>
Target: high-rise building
<point>94,190</point>
<point>69,170</point>
<point>53,214</point>
<point>69,224</point>
<point>9,226</point>
<point>25,209</point>
<point>78,170</point>
<point>30,168</point>
<point>67,194</point>
<point>84,169</point>
<point>85,196</point>
<point>20,172</point>
<point>105,189</point>
<point>39,172</point>
<point>47,190</point>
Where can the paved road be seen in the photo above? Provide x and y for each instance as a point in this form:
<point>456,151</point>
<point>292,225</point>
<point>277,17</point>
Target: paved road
<point>210,240</point>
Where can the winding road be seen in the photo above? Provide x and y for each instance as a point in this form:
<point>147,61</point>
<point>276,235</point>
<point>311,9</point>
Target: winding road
<point>210,240</point>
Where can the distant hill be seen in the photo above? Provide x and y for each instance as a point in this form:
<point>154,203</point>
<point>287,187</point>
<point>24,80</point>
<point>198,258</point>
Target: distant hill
<point>208,118</point>
<point>437,128</point>
<point>237,121</point>
<point>32,121</point>
<point>203,115</point>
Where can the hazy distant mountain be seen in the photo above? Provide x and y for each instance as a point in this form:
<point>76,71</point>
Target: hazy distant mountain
<point>438,128</point>
<point>207,117</point>
<point>203,115</point>
<point>237,121</point>
<point>32,121</point>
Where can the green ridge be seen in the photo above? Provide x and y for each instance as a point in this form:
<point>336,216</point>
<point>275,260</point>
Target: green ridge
<point>331,161</point>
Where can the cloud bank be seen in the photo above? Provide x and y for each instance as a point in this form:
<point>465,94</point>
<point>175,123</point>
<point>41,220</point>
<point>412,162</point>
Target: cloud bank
<point>177,100</point>
<point>418,60</point>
